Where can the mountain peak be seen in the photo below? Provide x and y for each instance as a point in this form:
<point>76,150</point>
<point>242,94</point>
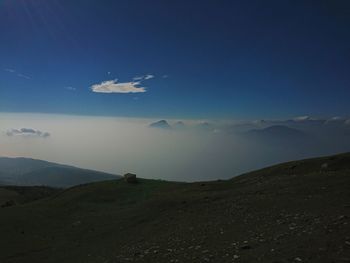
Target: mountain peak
<point>163,124</point>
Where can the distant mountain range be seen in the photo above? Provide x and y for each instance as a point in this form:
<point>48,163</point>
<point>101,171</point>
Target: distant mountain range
<point>277,132</point>
<point>162,124</point>
<point>283,137</point>
<point>31,172</point>
<point>322,127</point>
<point>179,125</point>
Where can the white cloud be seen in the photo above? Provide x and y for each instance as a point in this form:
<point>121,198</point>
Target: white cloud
<point>27,132</point>
<point>112,86</point>
<point>302,118</point>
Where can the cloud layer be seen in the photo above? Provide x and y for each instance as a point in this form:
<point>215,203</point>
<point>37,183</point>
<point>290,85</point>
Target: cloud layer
<point>27,132</point>
<point>112,86</point>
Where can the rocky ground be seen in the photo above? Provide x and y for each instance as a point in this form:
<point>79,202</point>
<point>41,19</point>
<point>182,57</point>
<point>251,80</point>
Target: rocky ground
<point>294,212</point>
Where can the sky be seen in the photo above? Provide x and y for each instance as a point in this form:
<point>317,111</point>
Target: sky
<point>179,59</point>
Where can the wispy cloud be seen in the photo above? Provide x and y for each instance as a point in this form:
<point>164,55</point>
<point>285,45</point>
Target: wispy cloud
<point>70,88</point>
<point>23,76</point>
<point>149,76</point>
<point>336,119</point>
<point>112,86</point>
<point>138,78</point>
<point>18,74</point>
<point>27,132</point>
<point>145,77</point>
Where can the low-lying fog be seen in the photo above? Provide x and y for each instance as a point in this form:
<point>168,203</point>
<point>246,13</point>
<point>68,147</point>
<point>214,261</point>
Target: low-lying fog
<point>189,152</point>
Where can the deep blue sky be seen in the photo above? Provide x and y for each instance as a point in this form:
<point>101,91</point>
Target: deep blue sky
<point>222,59</point>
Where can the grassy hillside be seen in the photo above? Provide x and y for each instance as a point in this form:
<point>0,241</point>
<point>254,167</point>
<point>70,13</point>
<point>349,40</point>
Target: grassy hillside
<point>15,195</point>
<point>293,212</point>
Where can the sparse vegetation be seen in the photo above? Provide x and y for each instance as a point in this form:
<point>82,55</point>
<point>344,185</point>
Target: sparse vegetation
<point>293,212</point>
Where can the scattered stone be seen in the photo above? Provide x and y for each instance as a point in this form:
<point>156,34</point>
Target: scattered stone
<point>324,166</point>
<point>245,247</point>
<point>8,203</point>
<point>76,223</point>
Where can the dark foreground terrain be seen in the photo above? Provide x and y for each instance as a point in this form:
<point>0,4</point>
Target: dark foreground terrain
<point>293,212</point>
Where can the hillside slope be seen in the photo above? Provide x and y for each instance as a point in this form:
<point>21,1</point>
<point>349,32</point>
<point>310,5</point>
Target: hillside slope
<point>31,172</point>
<point>293,212</point>
<point>15,195</point>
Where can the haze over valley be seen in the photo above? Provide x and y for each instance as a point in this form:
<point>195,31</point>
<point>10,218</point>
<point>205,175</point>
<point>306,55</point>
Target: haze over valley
<point>193,151</point>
